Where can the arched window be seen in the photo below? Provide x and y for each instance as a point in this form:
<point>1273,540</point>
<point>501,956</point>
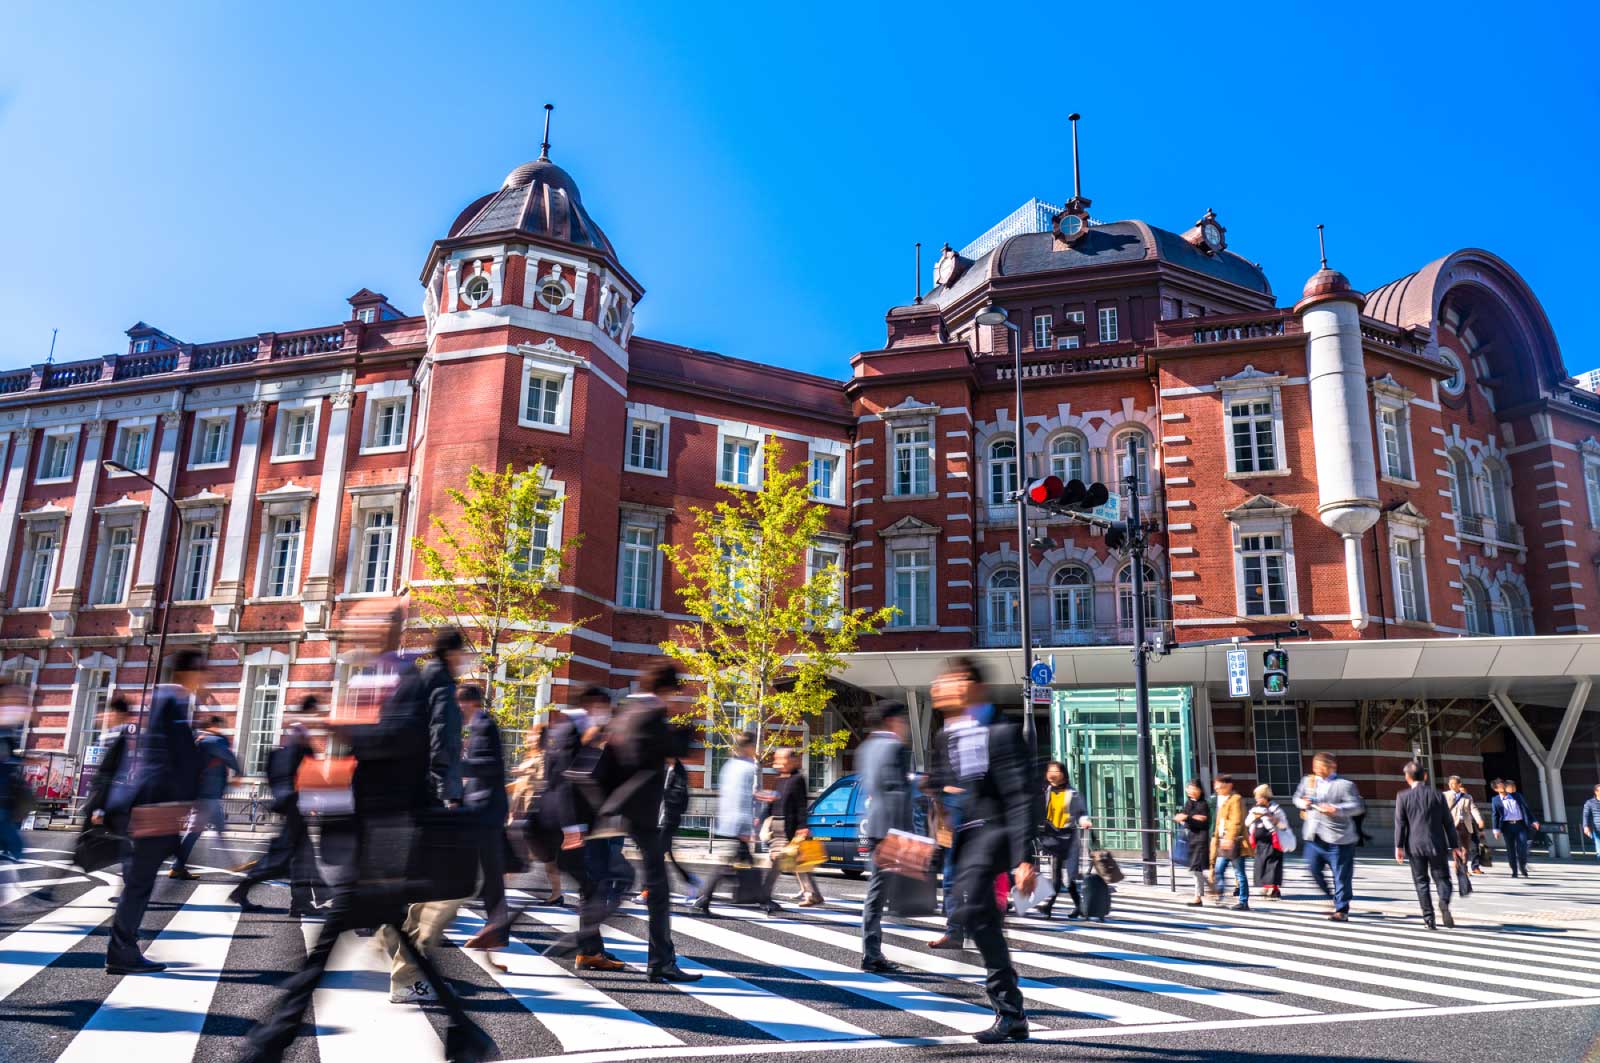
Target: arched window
<point>1066,457</point>
<point>1072,605</point>
<point>1152,600</point>
<point>1476,601</point>
<point>1515,617</point>
<point>1461,485</point>
<point>1494,498</point>
<point>1004,602</point>
<point>1002,472</point>
<point>1141,459</point>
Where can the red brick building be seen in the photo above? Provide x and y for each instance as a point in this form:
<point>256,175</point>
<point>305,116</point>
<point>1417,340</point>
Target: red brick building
<point>1382,468</point>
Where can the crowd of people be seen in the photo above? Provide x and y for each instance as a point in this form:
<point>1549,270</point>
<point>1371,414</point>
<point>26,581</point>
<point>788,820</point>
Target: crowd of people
<point>419,815</point>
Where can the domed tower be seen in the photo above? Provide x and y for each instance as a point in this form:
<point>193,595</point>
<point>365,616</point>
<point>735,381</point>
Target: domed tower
<point>1347,473</point>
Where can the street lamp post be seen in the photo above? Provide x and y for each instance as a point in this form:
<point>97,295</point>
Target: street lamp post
<point>1141,678</point>
<point>996,316</point>
<point>166,592</point>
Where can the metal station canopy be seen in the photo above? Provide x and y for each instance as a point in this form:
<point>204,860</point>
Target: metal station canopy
<point>1529,669</point>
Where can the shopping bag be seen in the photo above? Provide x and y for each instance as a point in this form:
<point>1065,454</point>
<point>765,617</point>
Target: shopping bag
<point>1180,849</point>
<point>1102,863</point>
<point>810,853</point>
<point>904,853</point>
<point>323,785</point>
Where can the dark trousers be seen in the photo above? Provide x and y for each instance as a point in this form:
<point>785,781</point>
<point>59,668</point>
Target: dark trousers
<point>732,853</point>
<point>575,865</point>
<point>658,902</point>
<point>1269,865</point>
<point>290,853</point>
<point>1516,835</point>
<point>140,862</point>
<point>208,812</point>
<point>604,877</point>
<point>272,1037</point>
<point>492,860</point>
<point>669,831</point>
<point>983,854</point>
<point>872,910</point>
<point>1063,877</point>
<point>1436,866</point>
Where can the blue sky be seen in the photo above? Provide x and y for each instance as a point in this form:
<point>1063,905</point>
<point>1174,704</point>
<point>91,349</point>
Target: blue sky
<point>223,169</point>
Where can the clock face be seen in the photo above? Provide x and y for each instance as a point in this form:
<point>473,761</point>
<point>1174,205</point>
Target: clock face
<point>945,269</point>
<point>1071,225</point>
<point>1212,234</point>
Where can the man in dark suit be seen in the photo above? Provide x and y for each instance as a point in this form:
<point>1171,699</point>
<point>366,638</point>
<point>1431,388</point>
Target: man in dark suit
<point>1511,818</point>
<point>483,785</point>
<point>114,742</point>
<point>1425,836</point>
<point>164,771</point>
<point>290,852</point>
<point>990,763</point>
<point>883,765</point>
<point>566,813</point>
<point>217,762</point>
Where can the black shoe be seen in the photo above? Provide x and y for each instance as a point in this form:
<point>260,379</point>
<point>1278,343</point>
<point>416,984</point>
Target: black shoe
<point>674,974</point>
<point>1446,918</point>
<point>1428,922</point>
<point>182,874</point>
<point>700,909</point>
<point>468,1044</point>
<point>773,908</point>
<point>302,911</point>
<point>880,966</point>
<point>139,966</point>
<point>241,897</point>
<point>1003,1030</point>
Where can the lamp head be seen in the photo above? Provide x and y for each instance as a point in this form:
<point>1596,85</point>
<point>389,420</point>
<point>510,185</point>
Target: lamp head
<point>992,315</point>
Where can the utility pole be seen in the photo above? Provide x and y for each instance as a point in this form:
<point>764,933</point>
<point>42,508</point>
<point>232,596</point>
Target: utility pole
<point>1141,678</point>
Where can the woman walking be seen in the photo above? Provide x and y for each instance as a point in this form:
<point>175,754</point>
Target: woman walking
<point>1195,817</point>
<point>1230,843</point>
<point>1468,822</point>
<point>789,825</point>
<point>1066,817</point>
<point>1265,823</point>
<point>525,791</point>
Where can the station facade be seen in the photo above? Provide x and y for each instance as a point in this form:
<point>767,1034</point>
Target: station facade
<point>1411,462</point>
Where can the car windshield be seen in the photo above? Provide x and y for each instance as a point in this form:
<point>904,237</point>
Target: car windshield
<point>835,802</point>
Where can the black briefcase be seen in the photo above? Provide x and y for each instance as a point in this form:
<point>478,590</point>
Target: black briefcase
<point>97,847</point>
<point>430,856</point>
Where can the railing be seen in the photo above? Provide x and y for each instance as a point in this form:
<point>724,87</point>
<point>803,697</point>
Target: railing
<point>11,383</point>
<point>1580,399</point>
<point>1073,366</point>
<point>65,376</point>
<point>134,366</point>
<point>220,355</point>
<point>1224,328</point>
<point>1375,334</point>
<point>1048,635</point>
<point>1490,531</point>
<point>298,346</point>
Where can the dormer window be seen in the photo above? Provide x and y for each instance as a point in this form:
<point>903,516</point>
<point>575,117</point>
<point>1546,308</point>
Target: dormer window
<point>143,346</point>
<point>476,291</point>
<point>367,315</point>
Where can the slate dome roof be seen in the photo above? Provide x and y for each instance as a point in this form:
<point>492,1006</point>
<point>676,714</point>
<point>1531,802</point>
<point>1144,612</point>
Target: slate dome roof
<point>538,198</point>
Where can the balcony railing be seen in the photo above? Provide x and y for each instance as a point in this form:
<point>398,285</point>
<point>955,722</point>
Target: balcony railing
<point>220,355</point>
<point>134,366</point>
<point>1484,529</point>
<point>65,376</point>
<point>1047,635</point>
<point>1093,363</point>
<point>10,383</point>
<point>298,345</point>
<point>1224,328</point>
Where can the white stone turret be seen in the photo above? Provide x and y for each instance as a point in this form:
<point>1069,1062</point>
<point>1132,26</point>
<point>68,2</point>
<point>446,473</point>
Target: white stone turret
<point>1341,423</point>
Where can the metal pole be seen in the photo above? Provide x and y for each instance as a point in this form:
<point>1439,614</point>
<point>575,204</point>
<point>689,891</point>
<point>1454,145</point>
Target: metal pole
<point>1141,680</point>
<point>1023,550</point>
<point>165,597</point>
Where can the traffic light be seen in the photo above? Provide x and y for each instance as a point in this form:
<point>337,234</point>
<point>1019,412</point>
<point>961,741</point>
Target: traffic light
<point>1275,673</point>
<point>1051,493</point>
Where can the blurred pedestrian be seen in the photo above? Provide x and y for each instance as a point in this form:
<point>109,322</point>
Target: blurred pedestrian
<point>483,790</point>
<point>1330,804</point>
<point>1425,837</point>
<point>1591,820</point>
<point>735,826</point>
<point>1195,818</point>
<point>15,797</point>
<point>568,813</point>
<point>883,766</point>
<point>1264,824</point>
<point>674,803</point>
<point>946,789</point>
<point>1511,819</point>
<point>990,762</point>
<point>154,791</point>
<point>290,852</point>
<point>526,797</point>
<point>1066,817</point>
<point>1230,842</point>
<point>217,763</point>
<point>1468,822</point>
<point>789,826</point>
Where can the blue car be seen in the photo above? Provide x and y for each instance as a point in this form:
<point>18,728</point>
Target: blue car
<point>837,818</point>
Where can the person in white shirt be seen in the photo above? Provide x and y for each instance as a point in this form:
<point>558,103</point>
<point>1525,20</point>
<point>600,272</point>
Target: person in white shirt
<point>735,826</point>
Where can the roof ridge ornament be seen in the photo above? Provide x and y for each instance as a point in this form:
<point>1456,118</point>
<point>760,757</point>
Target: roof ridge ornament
<point>544,146</point>
<point>1322,247</point>
<point>1073,221</point>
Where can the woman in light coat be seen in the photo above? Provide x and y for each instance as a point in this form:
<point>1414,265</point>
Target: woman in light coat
<point>1262,824</point>
<point>1230,842</point>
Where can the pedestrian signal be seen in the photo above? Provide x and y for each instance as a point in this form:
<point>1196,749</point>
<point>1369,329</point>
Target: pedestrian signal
<point>1275,673</point>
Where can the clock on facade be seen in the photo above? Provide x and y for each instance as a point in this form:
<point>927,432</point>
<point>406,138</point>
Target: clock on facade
<point>1071,224</point>
<point>1212,235</point>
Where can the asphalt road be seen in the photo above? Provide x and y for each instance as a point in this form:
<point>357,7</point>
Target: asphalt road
<point>1158,981</point>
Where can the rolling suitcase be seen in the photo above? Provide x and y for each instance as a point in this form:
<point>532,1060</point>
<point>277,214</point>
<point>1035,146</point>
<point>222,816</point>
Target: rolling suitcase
<point>911,895</point>
<point>1096,897</point>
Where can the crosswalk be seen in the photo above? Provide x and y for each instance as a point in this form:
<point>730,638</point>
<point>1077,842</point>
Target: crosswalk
<point>783,982</point>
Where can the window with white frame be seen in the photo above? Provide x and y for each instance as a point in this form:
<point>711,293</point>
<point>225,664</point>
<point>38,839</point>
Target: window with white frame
<point>43,546</point>
<point>542,398</point>
<point>645,451</point>
<point>132,447</point>
<point>1515,616</point>
<point>913,460</point>
<point>1253,435</point>
<point>116,561</point>
<point>1002,471</point>
<point>638,561</point>
<point>297,432</point>
<point>912,581</point>
<point>1043,332</point>
<point>282,576</point>
<point>1494,494</point>
<point>386,422</point>
<point>1003,612</point>
<point>1140,461</point>
<point>738,462</point>
<point>94,692</point>
<point>825,477</point>
<point>1461,494</point>
<point>1265,563</point>
<point>1591,486</point>
<point>1152,599</point>
<point>1108,324</point>
<point>736,570</point>
<point>829,559</point>
<point>199,552</point>
<point>213,438</point>
<point>476,289</point>
<point>376,552</point>
<point>1407,580</point>
<point>1408,563</point>
<point>1069,343</point>
<point>367,315</point>
<point>55,456</point>
<point>1067,457</point>
<point>1071,603</point>
<point>266,713</point>
<point>143,346</point>
<point>538,544</point>
<point>1394,437</point>
<point>1475,605</point>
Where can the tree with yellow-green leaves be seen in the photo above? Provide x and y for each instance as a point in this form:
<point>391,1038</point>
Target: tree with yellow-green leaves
<point>770,627</point>
<point>490,571</point>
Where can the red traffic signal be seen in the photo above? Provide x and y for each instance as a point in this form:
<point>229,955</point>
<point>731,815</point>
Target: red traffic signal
<point>1045,491</point>
<point>1073,494</point>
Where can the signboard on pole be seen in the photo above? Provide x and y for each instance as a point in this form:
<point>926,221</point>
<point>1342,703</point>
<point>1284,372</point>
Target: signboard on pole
<point>1238,673</point>
<point>1041,673</point>
<point>1041,695</point>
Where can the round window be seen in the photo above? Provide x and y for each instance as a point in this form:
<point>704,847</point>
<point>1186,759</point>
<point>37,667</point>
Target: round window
<point>1456,382</point>
<point>554,294</point>
<point>476,291</point>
